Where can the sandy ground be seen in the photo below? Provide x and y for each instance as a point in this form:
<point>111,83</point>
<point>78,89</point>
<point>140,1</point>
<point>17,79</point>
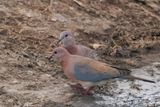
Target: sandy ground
<point>123,32</point>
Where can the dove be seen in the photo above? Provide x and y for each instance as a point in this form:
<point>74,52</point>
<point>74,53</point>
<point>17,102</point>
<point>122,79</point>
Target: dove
<point>88,72</point>
<point>68,42</point>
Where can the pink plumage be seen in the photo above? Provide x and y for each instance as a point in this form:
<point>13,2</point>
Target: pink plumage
<point>87,71</point>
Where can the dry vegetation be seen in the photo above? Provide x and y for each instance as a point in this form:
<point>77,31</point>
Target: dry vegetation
<point>122,31</point>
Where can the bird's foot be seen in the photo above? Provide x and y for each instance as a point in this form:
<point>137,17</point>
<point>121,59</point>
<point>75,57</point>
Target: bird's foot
<point>77,87</point>
<point>88,91</point>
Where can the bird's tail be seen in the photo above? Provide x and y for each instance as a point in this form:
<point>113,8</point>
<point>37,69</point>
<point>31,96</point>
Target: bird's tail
<point>138,78</point>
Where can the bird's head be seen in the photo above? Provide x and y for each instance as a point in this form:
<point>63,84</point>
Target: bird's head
<point>66,38</point>
<point>59,54</point>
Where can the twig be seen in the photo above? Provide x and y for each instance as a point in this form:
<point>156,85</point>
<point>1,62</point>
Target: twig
<point>79,3</point>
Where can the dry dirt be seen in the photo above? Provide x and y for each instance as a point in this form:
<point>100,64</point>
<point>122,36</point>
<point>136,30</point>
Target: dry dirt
<point>123,32</point>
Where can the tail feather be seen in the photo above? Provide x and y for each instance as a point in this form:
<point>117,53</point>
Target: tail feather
<point>138,78</point>
<point>122,71</point>
<point>125,73</point>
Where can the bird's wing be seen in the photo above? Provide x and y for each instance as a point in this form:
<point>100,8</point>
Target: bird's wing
<point>88,52</point>
<point>94,71</point>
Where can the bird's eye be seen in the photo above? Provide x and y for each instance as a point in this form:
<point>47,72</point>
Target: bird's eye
<point>55,52</point>
<point>66,35</point>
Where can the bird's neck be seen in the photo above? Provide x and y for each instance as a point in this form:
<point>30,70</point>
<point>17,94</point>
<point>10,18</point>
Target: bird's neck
<point>64,61</point>
<point>72,49</point>
<point>67,68</point>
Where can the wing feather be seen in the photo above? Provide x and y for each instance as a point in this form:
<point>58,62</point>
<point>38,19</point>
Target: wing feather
<point>94,71</point>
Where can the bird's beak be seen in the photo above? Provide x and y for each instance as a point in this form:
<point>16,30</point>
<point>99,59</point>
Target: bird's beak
<point>50,57</point>
<point>59,41</point>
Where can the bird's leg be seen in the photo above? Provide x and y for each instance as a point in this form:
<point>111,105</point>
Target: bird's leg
<point>77,87</point>
<point>88,91</point>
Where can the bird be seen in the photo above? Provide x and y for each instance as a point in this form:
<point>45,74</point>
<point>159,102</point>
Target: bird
<point>68,42</point>
<point>87,72</point>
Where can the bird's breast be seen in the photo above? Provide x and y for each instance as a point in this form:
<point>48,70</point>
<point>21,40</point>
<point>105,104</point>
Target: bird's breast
<point>68,71</point>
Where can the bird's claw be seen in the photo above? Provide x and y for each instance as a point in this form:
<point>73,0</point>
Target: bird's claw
<point>78,88</point>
